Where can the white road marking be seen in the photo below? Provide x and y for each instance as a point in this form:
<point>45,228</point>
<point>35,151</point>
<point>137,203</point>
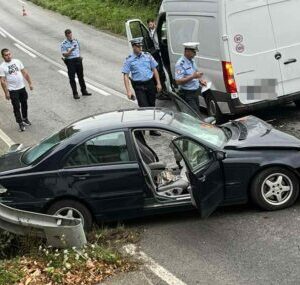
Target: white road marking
<point>157,269</point>
<point>22,2</point>
<point>2,34</point>
<point>25,50</point>
<point>6,138</point>
<point>63,67</point>
<point>64,73</point>
<point>148,280</point>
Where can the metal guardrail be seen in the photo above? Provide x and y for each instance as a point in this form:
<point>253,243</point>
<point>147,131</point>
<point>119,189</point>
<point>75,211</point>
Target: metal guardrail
<point>60,232</point>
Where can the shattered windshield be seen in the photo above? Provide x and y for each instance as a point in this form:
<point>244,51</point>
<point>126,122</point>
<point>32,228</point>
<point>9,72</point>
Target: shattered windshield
<point>206,132</point>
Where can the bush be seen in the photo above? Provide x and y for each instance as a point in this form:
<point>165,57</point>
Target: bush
<point>106,14</point>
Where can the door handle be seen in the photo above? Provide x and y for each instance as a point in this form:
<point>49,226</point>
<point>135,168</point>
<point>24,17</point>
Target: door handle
<point>81,176</point>
<point>202,178</point>
<point>292,60</point>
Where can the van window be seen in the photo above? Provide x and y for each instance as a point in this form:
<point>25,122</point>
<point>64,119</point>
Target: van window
<point>202,29</point>
<point>139,30</point>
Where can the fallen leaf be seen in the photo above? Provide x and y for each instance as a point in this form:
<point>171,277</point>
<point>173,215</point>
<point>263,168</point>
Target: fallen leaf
<point>28,280</point>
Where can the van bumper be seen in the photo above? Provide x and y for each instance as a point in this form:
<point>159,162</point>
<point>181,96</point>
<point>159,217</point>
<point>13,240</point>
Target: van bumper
<point>235,106</point>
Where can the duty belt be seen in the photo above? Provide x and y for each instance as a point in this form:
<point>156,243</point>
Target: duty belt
<point>74,58</point>
<point>141,82</point>
<point>186,91</point>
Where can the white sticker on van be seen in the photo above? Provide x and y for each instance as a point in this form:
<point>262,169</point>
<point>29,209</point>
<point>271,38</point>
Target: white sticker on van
<point>238,38</point>
<point>240,48</point>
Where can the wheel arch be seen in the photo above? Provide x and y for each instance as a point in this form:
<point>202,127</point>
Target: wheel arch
<point>264,167</point>
<point>69,197</point>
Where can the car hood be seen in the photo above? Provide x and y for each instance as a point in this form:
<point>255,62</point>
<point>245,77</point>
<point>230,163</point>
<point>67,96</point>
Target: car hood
<point>252,132</point>
<point>11,161</point>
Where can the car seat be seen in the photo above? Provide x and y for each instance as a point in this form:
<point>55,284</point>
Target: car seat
<point>148,155</point>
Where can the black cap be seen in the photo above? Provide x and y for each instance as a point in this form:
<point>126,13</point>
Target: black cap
<point>67,31</point>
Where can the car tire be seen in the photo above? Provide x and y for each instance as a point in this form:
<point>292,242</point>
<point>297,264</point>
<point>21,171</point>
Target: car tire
<point>213,109</point>
<point>275,188</point>
<point>71,208</point>
<point>297,103</point>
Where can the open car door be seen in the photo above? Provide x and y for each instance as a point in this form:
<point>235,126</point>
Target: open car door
<point>175,103</point>
<point>135,29</point>
<point>205,174</point>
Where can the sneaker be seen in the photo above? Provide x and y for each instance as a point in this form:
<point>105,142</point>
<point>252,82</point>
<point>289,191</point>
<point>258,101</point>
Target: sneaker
<point>22,127</point>
<point>76,96</point>
<point>26,122</point>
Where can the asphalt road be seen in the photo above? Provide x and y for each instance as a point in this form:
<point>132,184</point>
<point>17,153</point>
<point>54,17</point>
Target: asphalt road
<point>236,245</point>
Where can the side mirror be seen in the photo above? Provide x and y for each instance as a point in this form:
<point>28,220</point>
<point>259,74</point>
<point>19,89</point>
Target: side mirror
<point>220,155</point>
<point>210,120</point>
<point>15,147</point>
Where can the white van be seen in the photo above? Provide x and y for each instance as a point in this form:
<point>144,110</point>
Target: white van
<point>249,49</point>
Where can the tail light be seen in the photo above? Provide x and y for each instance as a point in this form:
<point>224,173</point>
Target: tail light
<point>229,77</point>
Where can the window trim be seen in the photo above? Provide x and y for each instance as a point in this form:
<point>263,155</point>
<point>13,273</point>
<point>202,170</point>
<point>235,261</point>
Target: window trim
<point>65,157</point>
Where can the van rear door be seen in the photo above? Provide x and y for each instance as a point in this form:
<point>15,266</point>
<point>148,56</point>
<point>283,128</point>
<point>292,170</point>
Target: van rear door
<point>253,51</point>
<point>286,22</point>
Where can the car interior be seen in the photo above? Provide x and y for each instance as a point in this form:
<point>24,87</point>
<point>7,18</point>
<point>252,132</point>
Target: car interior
<point>106,148</point>
<point>163,164</point>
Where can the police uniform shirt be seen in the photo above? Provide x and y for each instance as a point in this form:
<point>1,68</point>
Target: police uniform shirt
<point>140,66</point>
<point>66,45</point>
<point>183,68</point>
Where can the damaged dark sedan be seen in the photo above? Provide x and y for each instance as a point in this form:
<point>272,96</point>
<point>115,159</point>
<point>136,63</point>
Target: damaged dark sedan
<point>109,166</point>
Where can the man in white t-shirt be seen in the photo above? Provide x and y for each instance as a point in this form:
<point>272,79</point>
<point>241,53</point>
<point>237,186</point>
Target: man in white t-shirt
<point>12,74</point>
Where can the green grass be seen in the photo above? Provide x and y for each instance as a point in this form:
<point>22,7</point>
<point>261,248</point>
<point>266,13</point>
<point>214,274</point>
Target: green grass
<point>27,258</point>
<point>107,15</point>
<point>9,274</point>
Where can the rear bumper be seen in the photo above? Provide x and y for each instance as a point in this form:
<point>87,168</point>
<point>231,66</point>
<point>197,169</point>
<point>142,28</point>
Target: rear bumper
<point>27,206</point>
<point>235,106</point>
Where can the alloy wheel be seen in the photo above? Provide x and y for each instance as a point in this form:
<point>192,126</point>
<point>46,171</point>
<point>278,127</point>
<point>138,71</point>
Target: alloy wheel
<point>69,212</point>
<point>277,189</point>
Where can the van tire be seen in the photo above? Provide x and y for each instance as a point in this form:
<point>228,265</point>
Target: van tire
<point>297,103</point>
<point>213,108</point>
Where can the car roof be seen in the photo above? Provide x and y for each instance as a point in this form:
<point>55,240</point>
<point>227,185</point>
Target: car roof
<point>137,117</point>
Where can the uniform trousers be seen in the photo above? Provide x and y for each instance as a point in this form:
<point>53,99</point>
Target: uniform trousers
<point>191,97</point>
<point>145,92</point>
<point>75,66</point>
<point>18,99</point>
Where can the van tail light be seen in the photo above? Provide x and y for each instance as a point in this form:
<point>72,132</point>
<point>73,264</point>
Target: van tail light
<point>229,77</point>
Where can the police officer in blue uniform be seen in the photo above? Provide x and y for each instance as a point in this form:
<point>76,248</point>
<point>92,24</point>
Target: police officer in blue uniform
<point>70,50</point>
<point>142,67</point>
<point>188,77</point>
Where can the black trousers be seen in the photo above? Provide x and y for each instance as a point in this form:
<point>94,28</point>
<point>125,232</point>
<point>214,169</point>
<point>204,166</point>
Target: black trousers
<point>191,97</point>
<point>75,66</point>
<point>19,99</point>
<point>145,92</point>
